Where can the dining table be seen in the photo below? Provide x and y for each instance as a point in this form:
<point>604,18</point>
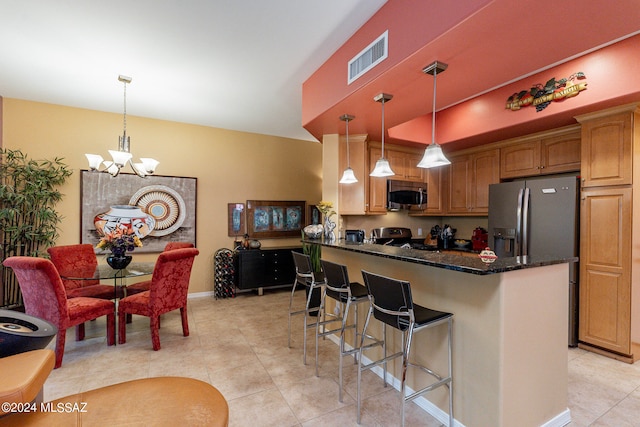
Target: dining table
<point>104,272</point>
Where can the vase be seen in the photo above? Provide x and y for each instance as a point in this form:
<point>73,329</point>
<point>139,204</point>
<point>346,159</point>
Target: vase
<point>119,262</point>
<point>329,226</point>
<point>125,217</point>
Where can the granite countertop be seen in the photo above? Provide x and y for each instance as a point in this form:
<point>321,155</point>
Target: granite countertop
<point>449,261</point>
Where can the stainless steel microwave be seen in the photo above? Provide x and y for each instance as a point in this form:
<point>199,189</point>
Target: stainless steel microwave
<point>406,195</point>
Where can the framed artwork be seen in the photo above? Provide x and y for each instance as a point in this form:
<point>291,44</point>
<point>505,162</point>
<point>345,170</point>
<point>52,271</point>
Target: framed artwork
<point>236,223</point>
<point>314,216</point>
<point>168,201</point>
<point>273,219</point>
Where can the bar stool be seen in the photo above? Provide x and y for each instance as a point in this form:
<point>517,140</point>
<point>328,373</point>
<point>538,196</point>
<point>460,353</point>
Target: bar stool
<point>312,281</point>
<point>346,293</point>
<point>392,304</point>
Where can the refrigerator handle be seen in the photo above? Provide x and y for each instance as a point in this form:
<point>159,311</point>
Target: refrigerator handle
<point>525,223</point>
<point>518,243</point>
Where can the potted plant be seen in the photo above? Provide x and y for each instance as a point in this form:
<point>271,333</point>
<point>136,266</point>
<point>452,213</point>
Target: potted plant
<point>28,219</point>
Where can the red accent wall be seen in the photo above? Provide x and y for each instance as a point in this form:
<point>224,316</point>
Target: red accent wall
<point>612,77</point>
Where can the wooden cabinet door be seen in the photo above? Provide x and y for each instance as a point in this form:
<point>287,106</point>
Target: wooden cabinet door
<point>435,200</point>
<point>485,171</point>
<point>377,186</point>
<point>411,170</point>
<point>607,150</point>
<point>605,269</point>
<point>519,160</point>
<point>459,182</point>
<point>561,153</point>
<point>352,200</point>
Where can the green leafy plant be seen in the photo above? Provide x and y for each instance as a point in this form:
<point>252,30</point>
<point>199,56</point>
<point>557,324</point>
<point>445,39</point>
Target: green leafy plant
<point>28,219</point>
<point>314,251</point>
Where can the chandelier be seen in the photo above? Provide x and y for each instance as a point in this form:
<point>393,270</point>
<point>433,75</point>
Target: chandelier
<point>123,155</point>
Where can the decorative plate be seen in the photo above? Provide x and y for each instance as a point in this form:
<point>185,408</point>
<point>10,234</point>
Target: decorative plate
<point>164,204</point>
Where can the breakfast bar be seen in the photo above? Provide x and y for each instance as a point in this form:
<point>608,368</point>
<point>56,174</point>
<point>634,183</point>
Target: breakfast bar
<point>509,334</point>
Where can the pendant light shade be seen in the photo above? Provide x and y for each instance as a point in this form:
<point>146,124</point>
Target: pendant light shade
<point>433,155</point>
<point>348,177</point>
<point>382,167</point>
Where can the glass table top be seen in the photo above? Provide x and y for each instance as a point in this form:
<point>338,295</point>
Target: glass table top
<point>104,271</point>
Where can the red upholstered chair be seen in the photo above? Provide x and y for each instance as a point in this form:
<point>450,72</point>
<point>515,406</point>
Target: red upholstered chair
<point>144,285</point>
<point>44,297</point>
<point>80,261</point>
<point>168,292</point>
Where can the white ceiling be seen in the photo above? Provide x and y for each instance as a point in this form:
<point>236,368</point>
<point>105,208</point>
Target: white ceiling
<point>232,64</point>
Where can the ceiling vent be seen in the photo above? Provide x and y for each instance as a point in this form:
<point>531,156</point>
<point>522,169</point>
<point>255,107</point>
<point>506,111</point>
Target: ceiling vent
<point>369,57</point>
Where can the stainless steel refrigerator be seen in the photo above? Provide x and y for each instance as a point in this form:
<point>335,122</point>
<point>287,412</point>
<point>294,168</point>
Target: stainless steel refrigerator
<point>538,217</point>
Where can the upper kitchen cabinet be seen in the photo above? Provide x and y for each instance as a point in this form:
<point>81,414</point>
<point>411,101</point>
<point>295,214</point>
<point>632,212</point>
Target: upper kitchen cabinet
<point>352,200</point>
<point>607,146</point>
<point>403,161</point>
<point>468,181</point>
<point>544,153</point>
<point>435,193</point>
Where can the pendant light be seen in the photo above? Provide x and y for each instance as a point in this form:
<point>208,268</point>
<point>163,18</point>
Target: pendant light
<point>382,167</point>
<point>348,177</point>
<point>123,156</point>
<point>433,155</point>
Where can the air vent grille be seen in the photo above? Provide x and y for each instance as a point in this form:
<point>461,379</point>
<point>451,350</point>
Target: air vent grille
<point>369,57</point>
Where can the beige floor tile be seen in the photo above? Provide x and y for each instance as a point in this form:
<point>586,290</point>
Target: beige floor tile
<point>266,409</point>
<point>240,346</point>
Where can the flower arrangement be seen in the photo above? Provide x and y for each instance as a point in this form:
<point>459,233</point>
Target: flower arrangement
<point>119,241</point>
<point>326,208</point>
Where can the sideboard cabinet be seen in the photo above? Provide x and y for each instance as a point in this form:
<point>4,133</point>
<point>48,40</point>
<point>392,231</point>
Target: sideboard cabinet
<point>261,268</point>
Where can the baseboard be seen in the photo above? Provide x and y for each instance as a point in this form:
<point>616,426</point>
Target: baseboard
<point>603,352</point>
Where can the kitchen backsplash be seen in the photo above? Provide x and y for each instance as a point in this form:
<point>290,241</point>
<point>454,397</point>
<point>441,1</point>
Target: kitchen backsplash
<point>463,225</point>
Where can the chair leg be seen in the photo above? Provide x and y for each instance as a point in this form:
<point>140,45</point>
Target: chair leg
<point>323,296</point>
<point>185,321</point>
<point>122,327</point>
<point>155,333</point>
<point>295,283</point>
<point>359,385</point>
<point>60,340</point>
<point>111,329</point>
<point>80,332</point>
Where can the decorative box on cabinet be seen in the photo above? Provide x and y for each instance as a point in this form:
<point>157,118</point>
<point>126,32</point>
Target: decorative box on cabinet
<point>261,268</point>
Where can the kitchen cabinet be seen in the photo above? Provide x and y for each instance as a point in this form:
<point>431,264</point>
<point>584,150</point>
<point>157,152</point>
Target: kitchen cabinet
<point>435,193</point>
<point>259,268</point>
<point>377,194</point>
<point>403,161</point>
<point>605,268</point>
<point>468,182</point>
<point>609,224</point>
<point>542,154</point>
<point>352,200</point>
<point>607,149</point>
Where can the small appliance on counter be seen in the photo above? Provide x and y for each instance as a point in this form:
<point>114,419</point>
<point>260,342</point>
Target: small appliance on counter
<point>479,239</point>
<point>354,236</point>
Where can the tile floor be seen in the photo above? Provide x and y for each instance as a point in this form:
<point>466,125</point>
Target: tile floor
<point>240,346</point>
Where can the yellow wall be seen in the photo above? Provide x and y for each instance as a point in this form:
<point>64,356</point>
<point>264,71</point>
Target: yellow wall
<point>230,166</point>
